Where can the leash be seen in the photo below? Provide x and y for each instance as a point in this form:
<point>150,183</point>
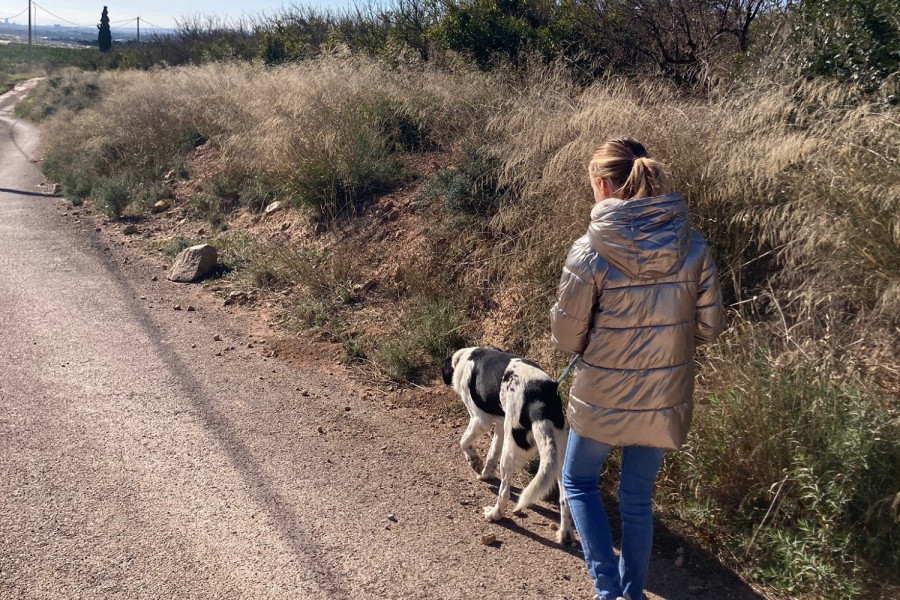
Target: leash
<point>569,368</point>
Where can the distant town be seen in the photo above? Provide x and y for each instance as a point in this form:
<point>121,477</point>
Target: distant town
<point>65,35</point>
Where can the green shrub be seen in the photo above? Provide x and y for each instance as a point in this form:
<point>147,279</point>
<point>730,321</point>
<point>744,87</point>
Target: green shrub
<point>352,348</point>
<point>345,168</point>
<point>149,194</point>
<point>67,90</point>
<point>471,188</point>
<point>396,358</point>
<point>852,40</point>
<point>112,195</point>
<point>437,328</point>
<point>793,473</point>
<point>174,246</point>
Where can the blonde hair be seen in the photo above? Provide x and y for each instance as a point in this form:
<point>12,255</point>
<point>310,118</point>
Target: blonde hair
<point>630,171</point>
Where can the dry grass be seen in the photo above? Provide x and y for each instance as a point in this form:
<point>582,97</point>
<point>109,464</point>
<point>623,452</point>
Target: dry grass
<point>796,185</point>
<point>323,134</point>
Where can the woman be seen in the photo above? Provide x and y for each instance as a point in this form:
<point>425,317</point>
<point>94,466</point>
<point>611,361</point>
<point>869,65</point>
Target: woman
<point>639,290</point>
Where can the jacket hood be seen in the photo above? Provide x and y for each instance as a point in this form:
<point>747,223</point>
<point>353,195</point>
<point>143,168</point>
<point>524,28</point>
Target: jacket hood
<point>645,238</point>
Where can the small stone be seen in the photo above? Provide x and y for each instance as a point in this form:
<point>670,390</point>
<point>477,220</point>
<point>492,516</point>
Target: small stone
<point>191,308</point>
<point>217,337</point>
<point>346,409</point>
<point>143,297</point>
<point>273,207</point>
<point>161,206</point>
<point>488,539</point>
<point>193,345</point>
<point>154,278</point>
<point>320,429</point>
<point>392,517</point>
<point>130,229</point>
<point>176,307</point>
<point>679,562</point>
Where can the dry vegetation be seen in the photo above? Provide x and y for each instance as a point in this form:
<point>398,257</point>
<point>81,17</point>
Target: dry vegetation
<point>432,209</point>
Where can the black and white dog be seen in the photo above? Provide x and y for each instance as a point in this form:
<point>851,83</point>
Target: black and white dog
<point>521,402</point>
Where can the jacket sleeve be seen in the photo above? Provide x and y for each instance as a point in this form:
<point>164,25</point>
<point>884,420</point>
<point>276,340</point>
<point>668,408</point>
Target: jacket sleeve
<point>571,316</point>
<point>710,316</point>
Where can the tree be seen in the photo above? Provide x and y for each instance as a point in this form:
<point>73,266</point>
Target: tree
<point>681,36</point>
<point>104,37</point>
<point>851,40</point>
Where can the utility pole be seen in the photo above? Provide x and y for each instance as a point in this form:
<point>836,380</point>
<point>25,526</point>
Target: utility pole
<point>139,30</point>
<point>29,22</point>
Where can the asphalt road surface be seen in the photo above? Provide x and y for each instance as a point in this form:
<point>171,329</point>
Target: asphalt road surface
<point>142,458</point>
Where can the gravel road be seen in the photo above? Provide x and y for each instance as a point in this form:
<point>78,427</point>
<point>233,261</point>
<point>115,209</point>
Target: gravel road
<point>142,458</point>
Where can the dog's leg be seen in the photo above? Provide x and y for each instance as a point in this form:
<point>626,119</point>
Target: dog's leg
<point>509,464</point>
<point>467,442</point>
<point>493,457</point>
<point>566,531</point>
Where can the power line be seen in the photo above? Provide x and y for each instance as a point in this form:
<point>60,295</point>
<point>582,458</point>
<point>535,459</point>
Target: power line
<point>152,25</point>
<point>57,16</point>
<point>24,10</point>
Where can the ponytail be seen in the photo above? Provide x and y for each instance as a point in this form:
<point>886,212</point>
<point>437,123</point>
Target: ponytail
<point>644,181</point>
<point>631,173</point>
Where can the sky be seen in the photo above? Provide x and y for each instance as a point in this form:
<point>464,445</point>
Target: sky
<point>159,13</point>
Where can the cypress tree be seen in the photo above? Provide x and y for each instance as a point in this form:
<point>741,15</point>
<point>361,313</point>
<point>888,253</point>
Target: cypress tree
<point>104,38</point>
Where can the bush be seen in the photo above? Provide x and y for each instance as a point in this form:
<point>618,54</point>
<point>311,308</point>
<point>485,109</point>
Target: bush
<point>67,90</point>
<point>112,195</point>
<point>471,188</point>
<point>396,358</point>
<point>853,40</point>
<point>437,328</point>
<point>174,246</point>
<point>796,475</point>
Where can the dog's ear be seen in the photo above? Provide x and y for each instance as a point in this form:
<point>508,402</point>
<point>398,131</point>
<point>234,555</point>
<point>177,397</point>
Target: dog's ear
<point>447,371</point>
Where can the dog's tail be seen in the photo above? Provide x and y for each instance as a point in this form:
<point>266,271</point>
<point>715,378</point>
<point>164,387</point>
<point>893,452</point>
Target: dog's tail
<point>551,444</point>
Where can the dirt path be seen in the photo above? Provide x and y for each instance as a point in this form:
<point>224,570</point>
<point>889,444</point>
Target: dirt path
<point>142,458</point>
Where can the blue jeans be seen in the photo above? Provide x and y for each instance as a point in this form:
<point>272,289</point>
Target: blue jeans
<point>584,458</point>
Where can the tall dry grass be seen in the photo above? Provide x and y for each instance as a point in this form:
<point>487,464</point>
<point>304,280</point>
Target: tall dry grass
<point>323,134</point>
<point>796,185</point>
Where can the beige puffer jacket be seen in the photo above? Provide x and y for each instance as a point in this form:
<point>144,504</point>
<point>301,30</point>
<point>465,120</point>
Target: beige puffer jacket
<point>637,294</point>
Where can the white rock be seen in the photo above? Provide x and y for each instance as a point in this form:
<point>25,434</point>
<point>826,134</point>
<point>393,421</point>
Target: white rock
<point>193,263</point>
<point>273,207</point>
